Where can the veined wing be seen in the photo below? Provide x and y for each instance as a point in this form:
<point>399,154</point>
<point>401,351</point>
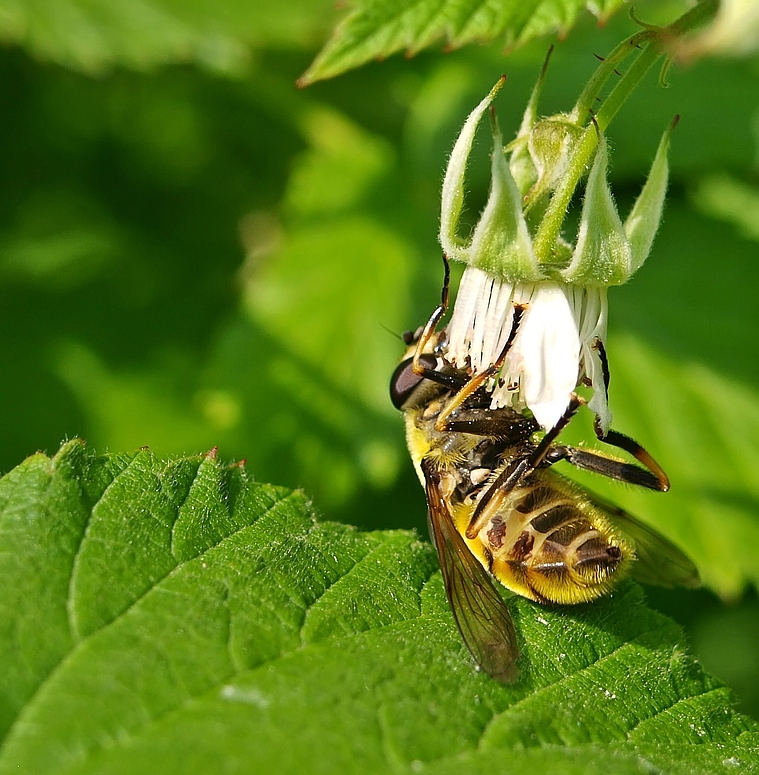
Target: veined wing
<point>481,615</point>
<point>658,561</point>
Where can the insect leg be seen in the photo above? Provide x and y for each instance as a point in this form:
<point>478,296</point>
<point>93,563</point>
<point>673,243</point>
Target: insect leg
<point>617,439</point>
<point>509,477</point>
<point>606,466</point>
<point>620,440</point>
<point>429,328</point>
<point>478,380</point>
<point>481,421</point>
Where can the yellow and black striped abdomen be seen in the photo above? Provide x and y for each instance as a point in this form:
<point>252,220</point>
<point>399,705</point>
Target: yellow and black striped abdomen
<point>546,541</point>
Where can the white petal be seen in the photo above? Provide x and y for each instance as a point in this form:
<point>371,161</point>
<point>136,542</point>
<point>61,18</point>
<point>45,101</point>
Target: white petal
<point>483,310</point>
<point>547,349</point>
<point>591,310</point>
<point>462,319</point>
<point>599,403</point>
<point>501,314</point>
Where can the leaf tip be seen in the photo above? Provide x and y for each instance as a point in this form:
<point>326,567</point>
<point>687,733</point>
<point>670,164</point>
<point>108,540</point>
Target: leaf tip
<point>212,454</point>
<point>68,446</point>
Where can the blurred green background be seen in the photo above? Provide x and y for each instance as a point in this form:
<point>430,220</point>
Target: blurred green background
<point>195,253</point>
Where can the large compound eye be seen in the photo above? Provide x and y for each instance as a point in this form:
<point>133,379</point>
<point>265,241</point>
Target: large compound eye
<point>405,379</point>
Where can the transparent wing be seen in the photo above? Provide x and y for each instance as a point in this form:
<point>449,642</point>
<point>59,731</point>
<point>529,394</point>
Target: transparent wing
<point>659,561</point>
<point>481,615</point>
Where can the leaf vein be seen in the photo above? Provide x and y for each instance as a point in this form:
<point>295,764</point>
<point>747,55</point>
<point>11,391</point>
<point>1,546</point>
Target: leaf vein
<point>180,564</point>
<point>71,594</point>
<point>178,506</point>
<point>680,700</point>
<point>60,665</point>
<point>563,680</point>
<point>154,720</point>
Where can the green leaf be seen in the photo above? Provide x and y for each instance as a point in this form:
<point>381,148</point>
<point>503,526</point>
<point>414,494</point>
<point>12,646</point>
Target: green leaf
<point>95,36</point>
<point>174,617</point>
<point>378,28</point>
<point>727,199</point>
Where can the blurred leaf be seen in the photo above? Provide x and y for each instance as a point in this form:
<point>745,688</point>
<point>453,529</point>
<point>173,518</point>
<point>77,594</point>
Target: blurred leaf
<point>306,404</point>
<point>297,424</point>
<point>337,260</point>
<point>127,407</point>
<point>339,169</point>
<point>354,271</point>
<point>707,136</point>
<point>61,239</point>
<point>95,36</point>
<point>321,286</point>
<point>179,617</point>
<point>690,305</point>
<point>378,28</point>
<point>118,237</point>
<point>726,644</point>
<point>730,200</point>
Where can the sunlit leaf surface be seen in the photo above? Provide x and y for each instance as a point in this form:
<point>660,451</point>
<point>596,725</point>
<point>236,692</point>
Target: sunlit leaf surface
<point>190,260</point>
<point>378,28</point>
<point>174,617</point>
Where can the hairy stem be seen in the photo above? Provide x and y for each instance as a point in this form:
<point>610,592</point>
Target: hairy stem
<point>657,40</point>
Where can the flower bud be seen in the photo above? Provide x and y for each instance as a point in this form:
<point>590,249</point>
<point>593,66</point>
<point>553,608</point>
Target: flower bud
<point>544,153</point>
<point>501,244</point>
<point>552,143</point>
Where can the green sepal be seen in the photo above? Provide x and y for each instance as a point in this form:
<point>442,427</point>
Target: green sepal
<point>602,255</point>
<point>452,198</point>
<point>501,243</point>
<point>521,164</point>
<point>644,219</point>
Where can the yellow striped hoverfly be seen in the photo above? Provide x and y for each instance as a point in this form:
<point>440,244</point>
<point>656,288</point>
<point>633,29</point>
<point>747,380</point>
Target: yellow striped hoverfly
<point>496,508</point>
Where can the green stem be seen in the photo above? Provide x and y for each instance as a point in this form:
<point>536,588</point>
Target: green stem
<point>583,107</point>
<point>550,227</point>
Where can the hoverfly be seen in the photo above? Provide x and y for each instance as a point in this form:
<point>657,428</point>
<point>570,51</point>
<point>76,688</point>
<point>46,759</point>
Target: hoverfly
<point>495,507</point>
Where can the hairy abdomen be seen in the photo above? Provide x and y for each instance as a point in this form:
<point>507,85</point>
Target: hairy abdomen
<point>548,542</point>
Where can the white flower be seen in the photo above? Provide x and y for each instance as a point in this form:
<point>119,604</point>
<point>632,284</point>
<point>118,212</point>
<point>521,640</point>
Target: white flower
<point>516,255</point>
<point>558,346</point>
